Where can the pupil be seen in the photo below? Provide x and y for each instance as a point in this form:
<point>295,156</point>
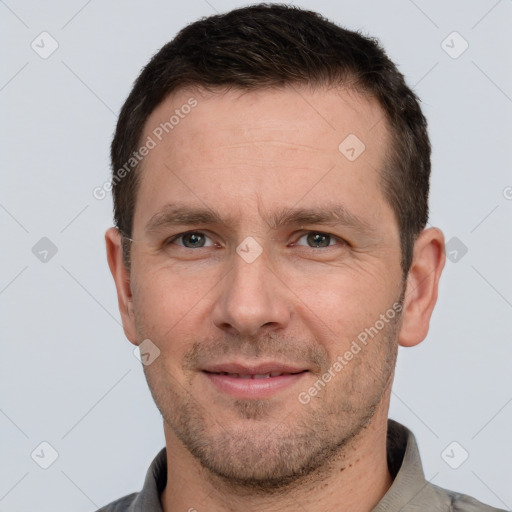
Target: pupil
<point>319,240</point>
<point>193,239</point>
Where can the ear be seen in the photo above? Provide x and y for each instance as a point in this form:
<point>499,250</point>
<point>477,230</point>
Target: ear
<point>121,275</point>
<point>422,286</point>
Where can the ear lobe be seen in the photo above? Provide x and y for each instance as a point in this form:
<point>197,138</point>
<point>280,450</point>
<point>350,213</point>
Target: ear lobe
<point>122,281</point>
<point>422,286</point>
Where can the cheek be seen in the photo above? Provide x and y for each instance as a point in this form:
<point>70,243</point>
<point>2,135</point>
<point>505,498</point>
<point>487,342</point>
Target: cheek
<point>342,304</point>
<point>170,307</point>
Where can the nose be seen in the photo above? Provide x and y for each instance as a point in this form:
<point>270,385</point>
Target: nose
<point>252,299</point>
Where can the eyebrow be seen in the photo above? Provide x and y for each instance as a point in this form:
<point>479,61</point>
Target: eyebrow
<point>329,215</point>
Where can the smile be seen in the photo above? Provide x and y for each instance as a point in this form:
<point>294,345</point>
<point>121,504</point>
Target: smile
<point>255,376</point>
<point>255,383</point>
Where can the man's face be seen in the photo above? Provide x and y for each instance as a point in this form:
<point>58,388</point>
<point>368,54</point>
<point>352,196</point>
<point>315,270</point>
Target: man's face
<point>265,285</point>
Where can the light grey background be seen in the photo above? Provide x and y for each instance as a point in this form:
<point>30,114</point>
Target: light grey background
<point>68,375</point>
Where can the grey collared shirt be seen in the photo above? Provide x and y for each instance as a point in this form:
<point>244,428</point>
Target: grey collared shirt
<point>410,492</point>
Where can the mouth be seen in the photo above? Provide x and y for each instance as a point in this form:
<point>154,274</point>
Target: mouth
<point>261,381</point>
<point>255,375</point>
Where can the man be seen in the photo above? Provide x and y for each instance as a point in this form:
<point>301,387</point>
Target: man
<point>270,180</point>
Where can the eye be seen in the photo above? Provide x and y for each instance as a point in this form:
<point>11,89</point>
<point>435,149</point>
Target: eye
<point>319,240</point>
<point>191,240</point>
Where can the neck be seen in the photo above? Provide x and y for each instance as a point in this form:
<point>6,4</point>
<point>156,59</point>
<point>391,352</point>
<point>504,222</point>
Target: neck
<point>355,481</point>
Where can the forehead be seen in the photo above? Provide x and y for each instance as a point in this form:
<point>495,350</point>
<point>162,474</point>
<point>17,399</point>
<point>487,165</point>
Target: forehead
<point>275,144</point>
<point>296,113</point>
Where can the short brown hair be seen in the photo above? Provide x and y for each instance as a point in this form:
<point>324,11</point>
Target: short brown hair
<point>269,45</point>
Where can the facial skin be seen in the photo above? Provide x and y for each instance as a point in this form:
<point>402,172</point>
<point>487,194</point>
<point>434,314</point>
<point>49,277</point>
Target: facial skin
<point>250,157</point>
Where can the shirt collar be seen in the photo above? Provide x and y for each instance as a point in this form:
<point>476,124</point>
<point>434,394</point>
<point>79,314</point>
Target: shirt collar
<point>409,485</point>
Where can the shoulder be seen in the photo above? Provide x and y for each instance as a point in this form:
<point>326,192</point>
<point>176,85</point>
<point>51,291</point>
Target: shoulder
<point>410,491</point>
<point>148,499</point>
<point>124,504</point>
<point>461,502</point>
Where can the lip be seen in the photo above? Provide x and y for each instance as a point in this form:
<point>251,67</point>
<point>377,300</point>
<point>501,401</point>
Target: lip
<point>247,369</point>
<point>238,380</point>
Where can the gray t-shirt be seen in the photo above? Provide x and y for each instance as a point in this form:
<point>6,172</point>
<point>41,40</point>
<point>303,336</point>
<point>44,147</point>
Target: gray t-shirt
<point>410,491</point>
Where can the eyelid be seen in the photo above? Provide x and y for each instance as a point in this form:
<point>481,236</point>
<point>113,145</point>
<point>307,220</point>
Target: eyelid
<point>172,239</point>
<point>318,232</point>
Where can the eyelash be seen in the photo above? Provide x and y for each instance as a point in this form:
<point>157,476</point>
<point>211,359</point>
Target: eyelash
<point>171,240</point>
